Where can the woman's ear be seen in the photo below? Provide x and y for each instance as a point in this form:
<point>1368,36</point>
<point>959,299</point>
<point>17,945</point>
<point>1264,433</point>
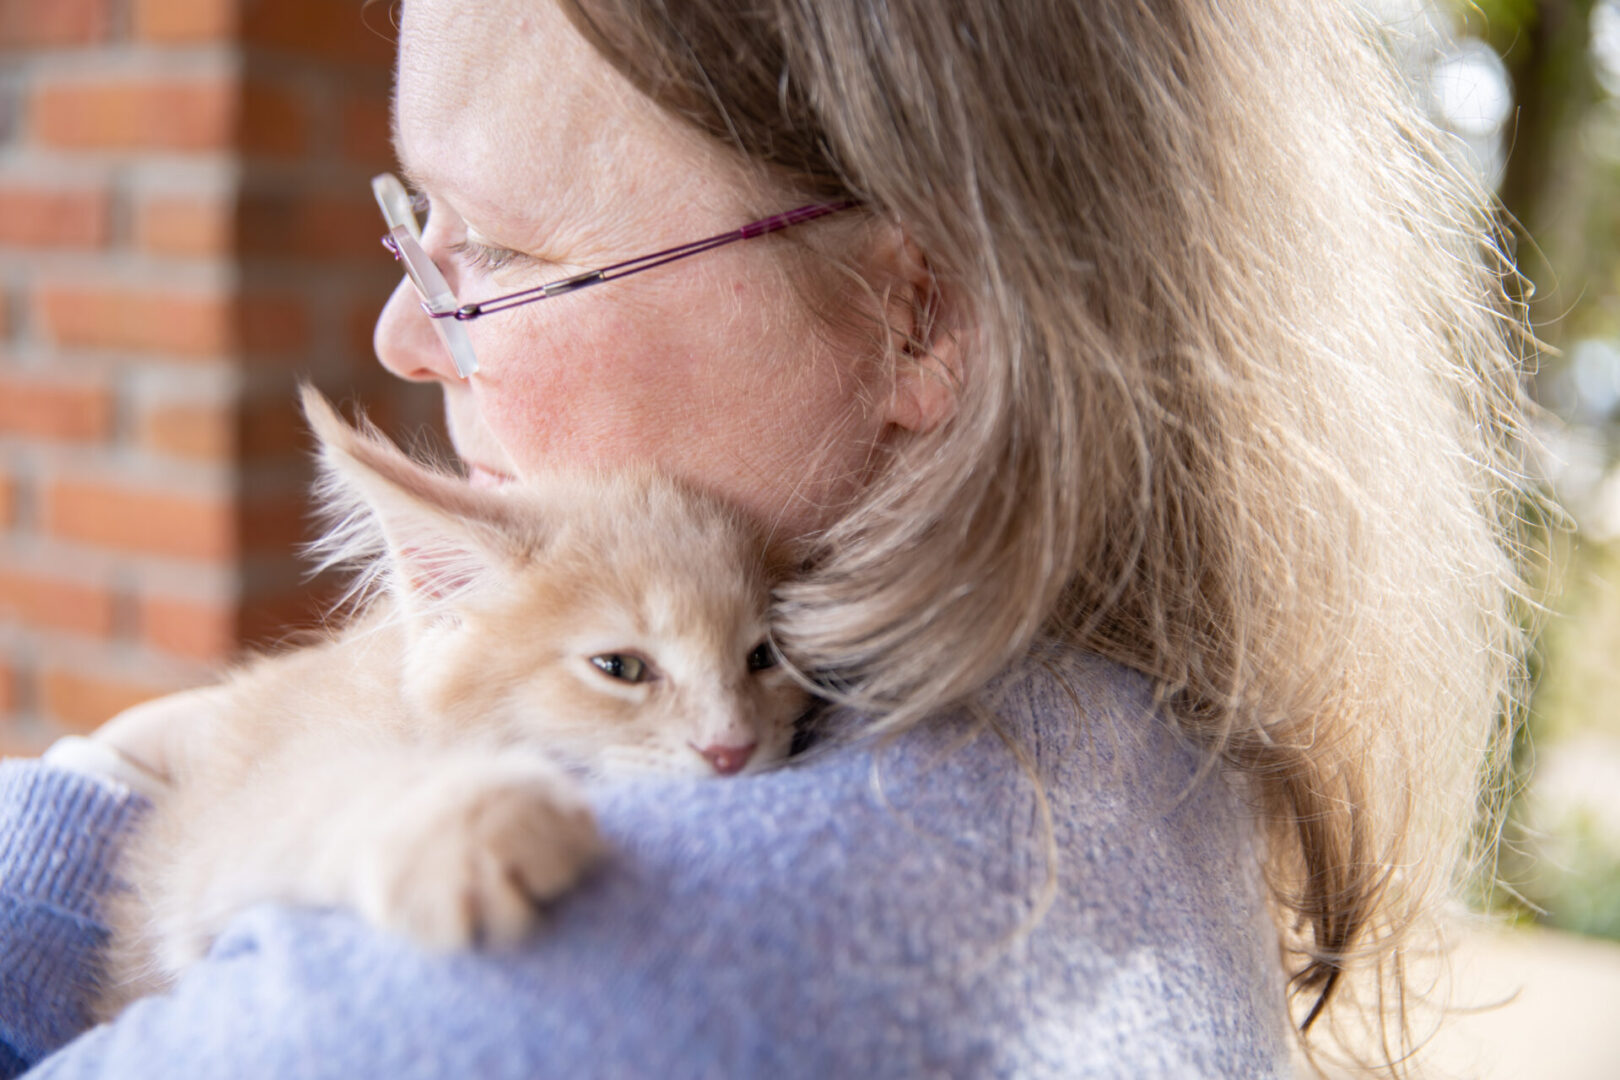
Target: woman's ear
<point>927,373</point>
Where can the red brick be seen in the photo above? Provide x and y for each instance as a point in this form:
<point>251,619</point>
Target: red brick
<point>360,328</point>
<point>274,123</point>
<point>349,31</point>
<point>35,23</point>
<point>275,525</point>
<point>117,516</point>
<point>190,629</point>
<point>186,22</point>
<point>57,410</point>
<point>272,429</point>
<point>136,114</point>
<point>81,702</point>
<point>269,620</point>
<point>193,227</point>
<point>271,323</point>
<point>199,432</point>
<point>343,226</point>
<point>366,131</point>
<point>176,323</point>
<point>51,603</point>
<point>316,227</point>
<point>196,324</point>
<point>47,218</point>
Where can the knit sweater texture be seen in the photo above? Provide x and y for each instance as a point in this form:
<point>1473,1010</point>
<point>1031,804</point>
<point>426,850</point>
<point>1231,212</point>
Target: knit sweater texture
<point>887,909</point>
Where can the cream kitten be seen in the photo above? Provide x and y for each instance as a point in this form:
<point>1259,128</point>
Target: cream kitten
<point>417,766</point>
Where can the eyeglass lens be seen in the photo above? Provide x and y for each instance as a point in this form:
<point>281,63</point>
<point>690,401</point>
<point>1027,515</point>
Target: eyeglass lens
<point>404,239</point>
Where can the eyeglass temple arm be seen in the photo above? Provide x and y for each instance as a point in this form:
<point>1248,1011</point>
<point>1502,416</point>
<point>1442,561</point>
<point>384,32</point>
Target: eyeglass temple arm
<point>775,223</point>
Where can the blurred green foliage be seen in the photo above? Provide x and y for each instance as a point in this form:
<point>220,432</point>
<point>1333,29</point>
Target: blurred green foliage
<point>1507,17</point>
<point>1560,193</point>
<point>1579,878</point>
<point>1579,694</point>
<point>1550,185</point>
<point>1561,863</point>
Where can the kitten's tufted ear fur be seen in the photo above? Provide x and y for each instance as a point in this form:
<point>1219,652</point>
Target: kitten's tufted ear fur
<point>424,535</point>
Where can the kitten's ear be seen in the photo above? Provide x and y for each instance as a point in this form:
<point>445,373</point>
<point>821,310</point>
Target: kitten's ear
<point>437,537</point>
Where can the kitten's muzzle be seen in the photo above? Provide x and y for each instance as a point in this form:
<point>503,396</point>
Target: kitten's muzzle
<point>727,760</point>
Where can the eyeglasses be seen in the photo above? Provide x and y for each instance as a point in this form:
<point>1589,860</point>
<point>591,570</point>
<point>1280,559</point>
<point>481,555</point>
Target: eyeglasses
<point>404,239</point>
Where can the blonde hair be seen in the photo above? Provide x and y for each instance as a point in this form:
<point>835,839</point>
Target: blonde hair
<point>1238,402</point>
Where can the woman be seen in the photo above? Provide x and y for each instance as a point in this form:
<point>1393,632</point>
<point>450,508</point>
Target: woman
<point>1141,405</point>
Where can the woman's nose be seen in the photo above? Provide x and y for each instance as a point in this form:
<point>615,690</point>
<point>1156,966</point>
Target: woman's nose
<point>406,342</point>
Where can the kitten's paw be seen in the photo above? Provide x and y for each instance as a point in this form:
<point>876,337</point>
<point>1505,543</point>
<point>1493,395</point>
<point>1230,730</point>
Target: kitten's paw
<point>477,849</point>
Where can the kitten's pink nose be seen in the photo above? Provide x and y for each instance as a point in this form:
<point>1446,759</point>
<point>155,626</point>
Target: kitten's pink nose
<point>728,759</point>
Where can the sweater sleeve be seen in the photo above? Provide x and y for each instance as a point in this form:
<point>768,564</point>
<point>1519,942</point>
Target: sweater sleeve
<point>59,836</point>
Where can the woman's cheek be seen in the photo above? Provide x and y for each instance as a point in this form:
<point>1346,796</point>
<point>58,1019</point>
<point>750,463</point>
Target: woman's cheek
<point>572,408</point>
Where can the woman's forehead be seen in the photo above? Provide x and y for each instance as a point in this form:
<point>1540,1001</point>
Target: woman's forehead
<point>481,82</point>
<point>502,104</point>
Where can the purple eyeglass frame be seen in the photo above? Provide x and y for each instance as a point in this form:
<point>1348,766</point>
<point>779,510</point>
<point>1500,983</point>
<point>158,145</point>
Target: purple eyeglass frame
<point>466,312</point>
<point>775,223</point>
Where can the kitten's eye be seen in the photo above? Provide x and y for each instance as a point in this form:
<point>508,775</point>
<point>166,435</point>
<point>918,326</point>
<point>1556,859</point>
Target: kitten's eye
<point>762,657</point>
<point>631,669</point>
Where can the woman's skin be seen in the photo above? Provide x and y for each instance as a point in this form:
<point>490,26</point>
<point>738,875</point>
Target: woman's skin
<point>712,369</point>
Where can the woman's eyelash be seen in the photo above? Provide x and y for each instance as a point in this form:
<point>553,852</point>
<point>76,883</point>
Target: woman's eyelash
<point>473,255</point>
<point>481,257</point>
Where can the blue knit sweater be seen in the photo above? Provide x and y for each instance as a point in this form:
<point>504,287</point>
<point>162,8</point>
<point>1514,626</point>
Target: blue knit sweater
<point>867,912</point>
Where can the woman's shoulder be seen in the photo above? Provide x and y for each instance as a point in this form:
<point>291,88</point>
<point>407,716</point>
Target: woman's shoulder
<point>1053,883</point>
<point>940,902</point>
<point>1069,736</point>
<point>1086,734</point>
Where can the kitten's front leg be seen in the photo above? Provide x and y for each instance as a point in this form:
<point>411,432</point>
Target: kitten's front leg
<point>449,848</point>
<point>463,857</point>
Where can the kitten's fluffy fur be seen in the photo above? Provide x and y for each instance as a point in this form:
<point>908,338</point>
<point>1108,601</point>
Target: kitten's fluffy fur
<point>415,766</point>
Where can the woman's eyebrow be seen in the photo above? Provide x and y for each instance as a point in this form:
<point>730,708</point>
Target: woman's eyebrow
<point>407,172</point>
<point>414,181</point>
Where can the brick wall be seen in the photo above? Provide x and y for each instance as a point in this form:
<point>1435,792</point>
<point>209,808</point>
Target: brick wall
<point>185,229</point>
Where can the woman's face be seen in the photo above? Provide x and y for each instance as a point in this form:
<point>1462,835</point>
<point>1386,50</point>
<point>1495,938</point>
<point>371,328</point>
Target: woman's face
<point>527,142</point>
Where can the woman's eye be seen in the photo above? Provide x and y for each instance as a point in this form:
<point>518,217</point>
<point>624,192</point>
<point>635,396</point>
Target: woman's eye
<point>420,206</point>
<point>763,656</point>
<point>481,257</point>
<point>630,669</point>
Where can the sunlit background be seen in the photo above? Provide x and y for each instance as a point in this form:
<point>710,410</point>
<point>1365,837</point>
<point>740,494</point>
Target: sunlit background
<point>1531,89</point>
